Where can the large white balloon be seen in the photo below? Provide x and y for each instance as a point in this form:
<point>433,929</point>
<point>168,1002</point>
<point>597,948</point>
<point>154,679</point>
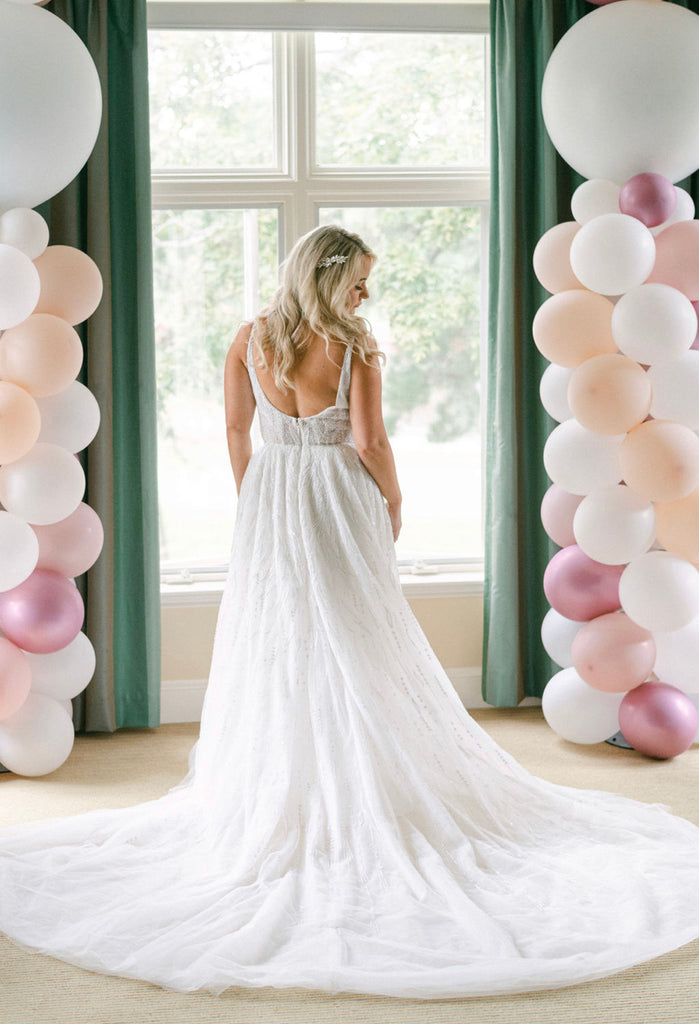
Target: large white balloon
<point>612,253</point>
<point>579,460</point>
<point>38,738</point>
<point>593,198</point>
<point>676,390</point>
<point>612,525</point>
<point>620,93</point>
<point>553,390</point>
<point>577,712</point>
<point>20,551</point>
<point>654,323</point>
<point>557,635</point>
<point>65,673</point>
<point>69,418</point>
<point>44,486</point>
<point>677,657</point>
<point>19,284</point>
<point>51,105</point>
<point>660,591</point>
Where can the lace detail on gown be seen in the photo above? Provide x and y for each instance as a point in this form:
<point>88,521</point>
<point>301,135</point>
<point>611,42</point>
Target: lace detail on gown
<point>345,825</point>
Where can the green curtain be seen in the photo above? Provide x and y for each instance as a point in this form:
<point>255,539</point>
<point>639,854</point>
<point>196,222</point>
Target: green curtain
<point>106,213</point>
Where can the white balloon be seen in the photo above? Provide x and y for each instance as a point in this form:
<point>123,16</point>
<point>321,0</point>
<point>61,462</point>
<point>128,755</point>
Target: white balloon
<point>684,210</point>
<point>69,418</point>
<point>553,391</point>
<point>19,551</point>
<point>65,673</point>
<point>51,105</point>
<point>612,525</point>
<point>621,92</point>
<point>579,460</point>
<point>38,738</point>
<point>612,253</point>
<point>677,657</point>
<point>593,198</point>
<point>660,591</point>
<point>654,323</point>
<point>19,286</point>
<point>67,706</point>
<point>44,486</point>
<point>26,230</point>
<point>676,389</point>
<point>557,635</point>
<point>577,712</point>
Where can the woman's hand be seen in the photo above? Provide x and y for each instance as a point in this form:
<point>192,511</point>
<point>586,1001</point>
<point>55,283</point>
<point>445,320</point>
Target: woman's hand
<point>394,516</point>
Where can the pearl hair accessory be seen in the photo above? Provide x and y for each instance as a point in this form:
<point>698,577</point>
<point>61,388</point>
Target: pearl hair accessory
<point>329,260</point>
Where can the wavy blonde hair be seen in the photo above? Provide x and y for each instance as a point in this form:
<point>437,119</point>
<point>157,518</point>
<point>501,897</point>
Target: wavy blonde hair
<point>313,300</point>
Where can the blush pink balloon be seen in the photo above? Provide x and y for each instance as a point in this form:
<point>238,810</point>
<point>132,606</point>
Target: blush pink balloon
<point>612,653</point>
<point>552,258</point>
<point>71,545</point>
<point>580,588</point>
<point>695,343</point>
<point>43,614</point>
<point>71,284</point>
<point>677,258</point>
<point>15,678</point>
<point>658,719</point>
<point>650,198</point>
<point>557,513</point>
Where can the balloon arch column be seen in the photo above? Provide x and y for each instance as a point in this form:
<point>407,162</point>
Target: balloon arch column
<point>620,100</point>
<point>50,111</point>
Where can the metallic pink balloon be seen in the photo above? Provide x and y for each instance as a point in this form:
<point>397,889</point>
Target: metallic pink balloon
<point>71,545</point>
<point>43,614</point>
<point>658,719</point>
<point>580,588</point>
<point>650,198</point>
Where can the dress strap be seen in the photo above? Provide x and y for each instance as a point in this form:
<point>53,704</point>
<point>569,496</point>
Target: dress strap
<point>342,399</point>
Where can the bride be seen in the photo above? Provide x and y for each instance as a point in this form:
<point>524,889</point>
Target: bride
<point>344,825</point>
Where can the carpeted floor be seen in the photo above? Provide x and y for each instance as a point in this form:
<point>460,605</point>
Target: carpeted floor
<point>136,765</point>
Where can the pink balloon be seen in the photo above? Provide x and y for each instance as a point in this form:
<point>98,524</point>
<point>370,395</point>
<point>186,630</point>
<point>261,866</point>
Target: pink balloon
<point>43,614</point>
<point>71,545</point>
<point>15,678</point>
<point>695,343</point>
<point>677,258</point>
<point>71,284</point>
<point>580,588</point>
<point>650,198</point>
<point>658,719</point>
<point>612,653</point>
<point>557,512</point>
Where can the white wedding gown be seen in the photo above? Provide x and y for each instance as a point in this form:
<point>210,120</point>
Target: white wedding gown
<point>345,825</point>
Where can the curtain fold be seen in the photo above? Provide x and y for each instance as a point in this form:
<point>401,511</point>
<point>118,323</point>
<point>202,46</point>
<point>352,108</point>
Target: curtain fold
<point>106,212</point>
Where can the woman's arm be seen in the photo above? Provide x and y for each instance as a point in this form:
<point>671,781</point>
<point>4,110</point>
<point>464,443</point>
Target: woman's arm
<point>239,404</point>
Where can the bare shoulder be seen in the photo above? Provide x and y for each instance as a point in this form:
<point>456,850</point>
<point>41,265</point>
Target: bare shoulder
<point>239,348</point>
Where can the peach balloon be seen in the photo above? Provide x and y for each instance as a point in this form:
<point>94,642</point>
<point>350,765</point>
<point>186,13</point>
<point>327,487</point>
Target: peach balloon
<point>557,512</point>
<point>678,526</point>
<point>573,326</point>
<point>552,258</point>
<point>660,460</point>
<point>609,394</point>
<point>612,653</point>
<point>71,284</point>
<point>20,422</point>
<point>72,545</point>
<point>677,258</point>
<point>15,678</point>
<point>43,354</point>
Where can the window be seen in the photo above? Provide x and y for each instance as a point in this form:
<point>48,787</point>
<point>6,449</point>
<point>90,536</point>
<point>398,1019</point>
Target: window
<point>260,132</point>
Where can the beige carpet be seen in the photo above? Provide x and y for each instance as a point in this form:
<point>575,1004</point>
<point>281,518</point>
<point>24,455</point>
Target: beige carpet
<point>131,766</point>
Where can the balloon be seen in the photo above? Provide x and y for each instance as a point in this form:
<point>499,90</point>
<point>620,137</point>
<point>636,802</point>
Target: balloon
<point>684,210</point>
<point>72,545</point>
<point>70,418</point>
<point>557,635</point>
<point>612,525</point>
<point>677,656</point>
<point>44,486</point>
<point>15,678</point>
<point>612,253</point>
<point>573,326</point>
<point>649,197</point>
<point>578,713</point>
<point>20,551</point>
<point>609,394</point>
<point>20,420</point>
<point>71,284</point>
<point>42,614</point>
<point>654,323</point>
<point>678,526</point>
<point>612,653</point>
<point>660,591</point>
<point>65,673</point>
<point>19,286</point>
<point>675,388</point>
<point>553,391</point>
<point>38,738</point>
<point>660,460</point>
<point>658,720</point>
<point>43,354</point>
<point>580,588</point>
<point>578,460</point>
<point>51,107</point>
<point>677,258</point>
<point>557,510</point>
<point>552,258</point>
<point>593,198</point>
<point>598,116</point>
<point>26,230</point>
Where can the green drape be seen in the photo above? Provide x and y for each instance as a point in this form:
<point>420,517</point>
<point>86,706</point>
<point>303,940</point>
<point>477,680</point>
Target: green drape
<point>106,213</point>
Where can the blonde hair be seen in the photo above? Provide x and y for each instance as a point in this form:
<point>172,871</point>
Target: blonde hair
<point>312,300</point>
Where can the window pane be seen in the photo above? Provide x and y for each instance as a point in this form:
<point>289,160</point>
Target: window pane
<point>211,99</point>
<point>397,100</point>
<point>207,263</point>
<point>425,313</point>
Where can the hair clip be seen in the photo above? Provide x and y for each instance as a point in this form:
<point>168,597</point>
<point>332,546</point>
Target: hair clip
<point>329,260</point>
